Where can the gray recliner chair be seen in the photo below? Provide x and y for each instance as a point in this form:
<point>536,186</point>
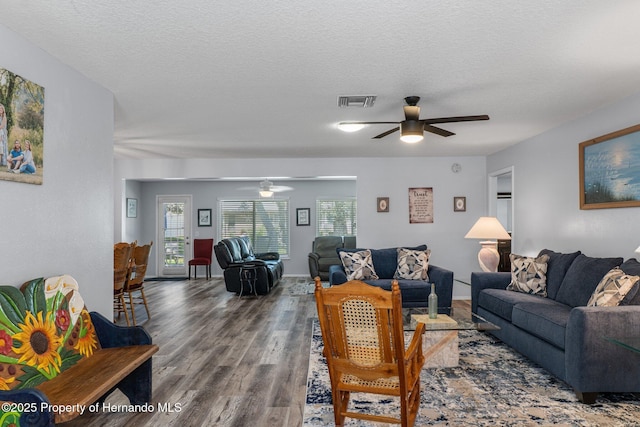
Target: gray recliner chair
<point>323,254</point>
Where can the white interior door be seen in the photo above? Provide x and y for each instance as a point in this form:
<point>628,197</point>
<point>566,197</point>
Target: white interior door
<point>174,235</point>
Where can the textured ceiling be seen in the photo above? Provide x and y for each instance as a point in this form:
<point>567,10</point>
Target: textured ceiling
<point>250,78</point>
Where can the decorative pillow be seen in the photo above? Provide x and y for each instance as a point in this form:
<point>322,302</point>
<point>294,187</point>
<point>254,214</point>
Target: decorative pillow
<point>412,265</point>
<point>358,265</point>
<point>528,274</point>
<point>582,278</point>
<point>614,287</point>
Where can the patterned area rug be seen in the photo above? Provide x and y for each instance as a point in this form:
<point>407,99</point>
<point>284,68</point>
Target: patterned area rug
<point>492,386</point>
<point>304,288</point>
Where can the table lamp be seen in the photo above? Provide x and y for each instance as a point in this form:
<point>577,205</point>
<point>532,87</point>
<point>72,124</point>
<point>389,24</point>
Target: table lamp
<point>489,228</point>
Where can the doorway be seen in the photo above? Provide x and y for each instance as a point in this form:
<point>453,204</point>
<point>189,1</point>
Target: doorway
<point>174,234</point>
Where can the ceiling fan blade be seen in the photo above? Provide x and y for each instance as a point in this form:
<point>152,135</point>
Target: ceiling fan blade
<point>389,132</point>
<point>411,112</point>
<point>437,131</point>
<point>368,123</point>
<point>455,119</point>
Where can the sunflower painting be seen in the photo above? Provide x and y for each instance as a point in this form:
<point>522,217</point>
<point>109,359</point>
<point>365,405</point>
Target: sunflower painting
<point>44,329</point>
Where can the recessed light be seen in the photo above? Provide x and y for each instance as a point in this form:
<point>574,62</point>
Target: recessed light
<point>350,127</point>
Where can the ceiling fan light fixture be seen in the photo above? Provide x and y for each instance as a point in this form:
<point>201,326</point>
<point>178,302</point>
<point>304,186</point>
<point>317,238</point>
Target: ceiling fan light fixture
<point>411,131</point>
<point>265,194</point>
<point>350,127</point>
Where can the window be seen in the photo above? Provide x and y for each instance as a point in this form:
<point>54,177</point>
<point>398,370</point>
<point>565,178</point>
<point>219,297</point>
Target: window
<point>336,217</point>
<point>266,222</point>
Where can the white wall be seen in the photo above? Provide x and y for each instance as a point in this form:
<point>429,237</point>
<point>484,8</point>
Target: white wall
<point>546,195</point>
<point>64,225</point>
<point>376,177</point>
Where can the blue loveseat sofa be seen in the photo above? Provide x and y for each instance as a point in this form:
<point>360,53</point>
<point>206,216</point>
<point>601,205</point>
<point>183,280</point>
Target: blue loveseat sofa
<point>560,332</point>
<point>415,293</point>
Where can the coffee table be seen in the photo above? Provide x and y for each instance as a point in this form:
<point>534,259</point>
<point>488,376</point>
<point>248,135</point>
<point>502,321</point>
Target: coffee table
<point>440,340</point>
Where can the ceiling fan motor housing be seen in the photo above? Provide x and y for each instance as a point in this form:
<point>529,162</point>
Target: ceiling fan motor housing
<point>411,131</point>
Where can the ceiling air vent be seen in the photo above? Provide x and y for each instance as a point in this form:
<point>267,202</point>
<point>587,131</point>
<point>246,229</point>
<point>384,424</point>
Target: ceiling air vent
<point>361,101</point>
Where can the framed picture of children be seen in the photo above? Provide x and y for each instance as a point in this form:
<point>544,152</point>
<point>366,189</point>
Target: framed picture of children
<point>21,129</point>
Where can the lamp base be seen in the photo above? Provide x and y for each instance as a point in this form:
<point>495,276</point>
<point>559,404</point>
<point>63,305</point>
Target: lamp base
<point>488,257</point>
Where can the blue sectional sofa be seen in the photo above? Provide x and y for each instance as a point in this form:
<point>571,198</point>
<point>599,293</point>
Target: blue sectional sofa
<point>559,331</point>
<point>415,293</point>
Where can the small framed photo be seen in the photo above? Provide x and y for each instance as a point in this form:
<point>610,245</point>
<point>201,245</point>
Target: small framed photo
<point>383,204</point>
<point>303,216</point>
<point>204,217</point>
<point>459,204</point>
<point>132,208</point>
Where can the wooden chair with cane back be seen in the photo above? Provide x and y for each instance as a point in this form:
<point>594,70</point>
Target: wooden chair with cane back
<point>364,346</point>
<point>121,269</point>
<point>135,283</point>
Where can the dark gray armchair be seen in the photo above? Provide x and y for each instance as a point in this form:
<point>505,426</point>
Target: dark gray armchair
<point>323,254</point>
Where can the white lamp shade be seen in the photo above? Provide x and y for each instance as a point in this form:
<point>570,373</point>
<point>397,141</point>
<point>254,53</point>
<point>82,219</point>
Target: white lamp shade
<point>488,227</point>
<point>638,250</point>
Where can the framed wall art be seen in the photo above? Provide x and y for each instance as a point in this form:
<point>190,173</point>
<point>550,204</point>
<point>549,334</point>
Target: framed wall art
<point>21,129</point>
<point>383,204</point>
<point>204,217</point>
<point>303,216</point>
<point>610,170</point>
<point>459,204</point>
<point>421,205</point>
<point>132,208</point>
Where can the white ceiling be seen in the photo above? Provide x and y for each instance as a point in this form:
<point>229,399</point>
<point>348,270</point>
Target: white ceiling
<point>254,78</point>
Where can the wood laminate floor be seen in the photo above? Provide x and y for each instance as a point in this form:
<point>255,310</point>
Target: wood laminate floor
<point>223,361</point>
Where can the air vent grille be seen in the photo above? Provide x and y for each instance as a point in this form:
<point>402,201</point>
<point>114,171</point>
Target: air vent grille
<point>361,101</point>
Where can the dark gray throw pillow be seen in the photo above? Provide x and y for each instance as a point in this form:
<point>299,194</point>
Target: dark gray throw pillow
<point>557,267</point>
<point>632,267</point>
<point>581,279</point>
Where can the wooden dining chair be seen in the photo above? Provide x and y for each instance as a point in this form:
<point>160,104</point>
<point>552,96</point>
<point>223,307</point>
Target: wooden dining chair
<point>364,346</point>
<point>135,282</point>
<point>121,270</point>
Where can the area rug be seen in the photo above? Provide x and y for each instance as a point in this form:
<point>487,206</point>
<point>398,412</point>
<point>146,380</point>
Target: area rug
<point>492,386</point>
<point>304,288</point>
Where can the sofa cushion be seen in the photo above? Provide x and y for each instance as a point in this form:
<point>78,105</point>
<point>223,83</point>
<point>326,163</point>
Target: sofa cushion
<point>385,260</point>
<point>529,275</point>
<point>557,267</point>
<point>410,290</point>
<point>358,265</point>
<point>412,265</point>
<point>581,279</point>
<point>547,319</point>
<point>501,302</point>
<point>631,266</point>
<point>614,287</point>
<point>325,246</point>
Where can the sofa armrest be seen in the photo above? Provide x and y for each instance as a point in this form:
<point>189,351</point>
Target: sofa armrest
<point>486,280</point>
<point>443,279</point>
<point>268,256</point>
<point>594,364</point>
<point>337,275</point>
<point>314,269</point>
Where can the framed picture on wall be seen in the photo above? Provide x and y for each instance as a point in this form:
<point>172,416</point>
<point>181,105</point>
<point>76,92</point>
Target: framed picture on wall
<point>609,175</point>
<point>303,216</point>
<point>459,204</point>
<point>383,204</point>
<point>204,217</point>
<point>132,208</point>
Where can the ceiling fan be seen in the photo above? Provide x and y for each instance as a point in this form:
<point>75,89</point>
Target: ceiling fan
<point>267,188</point>
<point>412,127</point>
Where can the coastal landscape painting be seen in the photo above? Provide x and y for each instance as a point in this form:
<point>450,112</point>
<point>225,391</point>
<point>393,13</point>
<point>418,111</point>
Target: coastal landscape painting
<point>610,170</point>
